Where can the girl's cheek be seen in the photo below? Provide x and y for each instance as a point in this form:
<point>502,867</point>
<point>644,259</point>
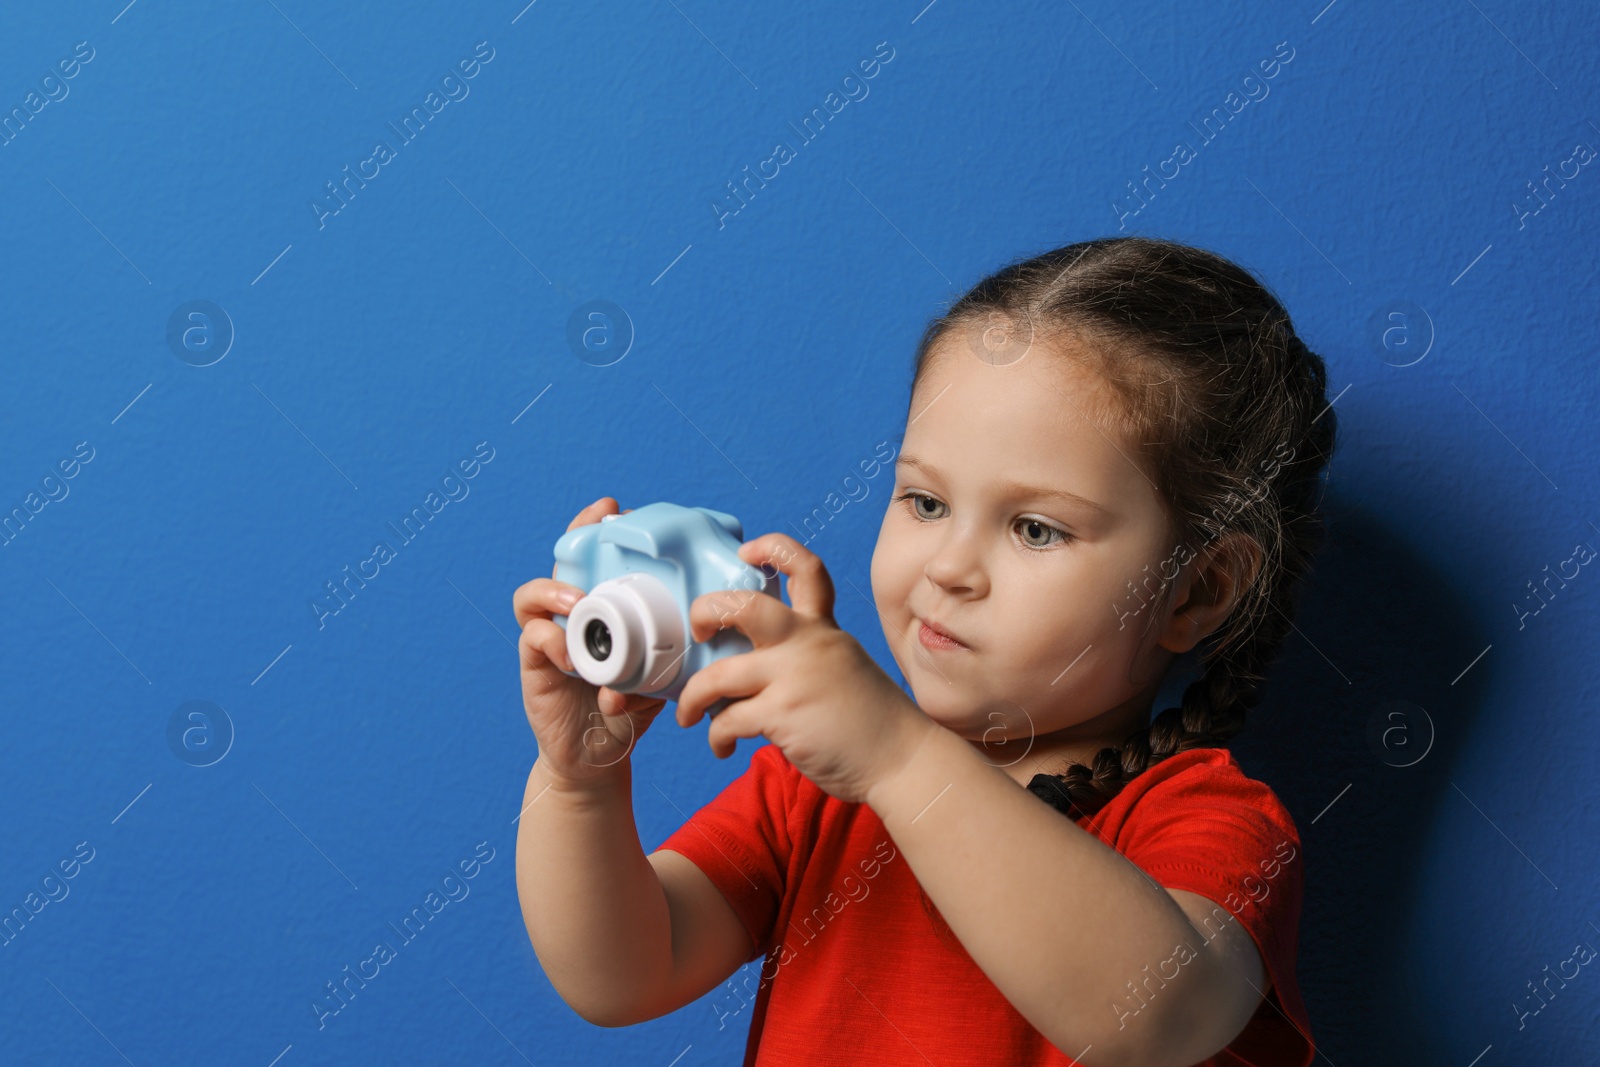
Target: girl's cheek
<point>879,574</point>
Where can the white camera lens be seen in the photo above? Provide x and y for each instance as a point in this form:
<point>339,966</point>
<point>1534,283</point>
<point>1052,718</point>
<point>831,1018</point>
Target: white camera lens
<point>627,634</point>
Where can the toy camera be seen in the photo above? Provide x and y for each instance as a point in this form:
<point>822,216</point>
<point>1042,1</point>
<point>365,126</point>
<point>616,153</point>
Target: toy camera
<point>640,572</point>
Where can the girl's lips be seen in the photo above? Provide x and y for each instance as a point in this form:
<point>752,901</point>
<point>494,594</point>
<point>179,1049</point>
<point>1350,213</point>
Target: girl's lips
<point>932,638</point>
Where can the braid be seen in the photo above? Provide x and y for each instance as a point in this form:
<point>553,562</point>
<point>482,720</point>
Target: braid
<point>1216,384</point>
<point>1213,710</point>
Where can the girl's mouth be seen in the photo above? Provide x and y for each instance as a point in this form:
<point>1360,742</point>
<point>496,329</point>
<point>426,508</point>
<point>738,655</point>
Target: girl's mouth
<point>937,639</point>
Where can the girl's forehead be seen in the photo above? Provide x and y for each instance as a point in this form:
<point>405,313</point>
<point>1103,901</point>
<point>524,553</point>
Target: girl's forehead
<point>1046,421</point>
<point>1059,394</point>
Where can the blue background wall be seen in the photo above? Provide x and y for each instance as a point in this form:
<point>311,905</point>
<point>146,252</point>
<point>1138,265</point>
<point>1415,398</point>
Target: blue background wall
<point>1427,729</point>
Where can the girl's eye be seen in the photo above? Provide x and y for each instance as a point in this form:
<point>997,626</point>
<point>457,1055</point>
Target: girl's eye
<point>1034,528</point>
<point>1035,533</point>
<point>917,501</point>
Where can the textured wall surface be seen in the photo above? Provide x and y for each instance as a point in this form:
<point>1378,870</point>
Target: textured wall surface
<point>249,377</point>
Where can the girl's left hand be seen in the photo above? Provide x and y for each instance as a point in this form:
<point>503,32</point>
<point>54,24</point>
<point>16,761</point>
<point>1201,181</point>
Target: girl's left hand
<point>808,687</point>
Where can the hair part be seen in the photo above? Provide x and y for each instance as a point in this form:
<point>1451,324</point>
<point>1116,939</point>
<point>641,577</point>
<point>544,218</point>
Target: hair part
<point>1229,408</point>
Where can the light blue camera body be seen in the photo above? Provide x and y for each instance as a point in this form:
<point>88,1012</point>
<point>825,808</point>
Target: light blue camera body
<point>640,572</point>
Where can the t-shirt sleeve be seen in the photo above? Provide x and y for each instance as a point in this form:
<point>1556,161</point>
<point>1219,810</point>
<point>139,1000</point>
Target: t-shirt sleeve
<point>1216,832</point>
<point>741,840</point>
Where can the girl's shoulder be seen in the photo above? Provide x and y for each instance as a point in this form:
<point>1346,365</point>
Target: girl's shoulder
<point>1209,769</point>
<point>1202,790</point>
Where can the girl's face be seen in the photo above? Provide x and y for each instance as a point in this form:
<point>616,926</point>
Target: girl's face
<point>985,540</point>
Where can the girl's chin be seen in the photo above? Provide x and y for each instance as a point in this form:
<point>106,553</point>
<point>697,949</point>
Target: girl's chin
<point>995,721</point>
<point>963,720</point>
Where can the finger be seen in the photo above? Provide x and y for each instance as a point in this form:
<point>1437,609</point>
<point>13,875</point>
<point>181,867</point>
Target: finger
<point>606,505</point>
<point>542,650</point>
<point>742,719</point>
<point>734,677</point>
<point>609,701</point>
<point>543,642</point>
<point>640,702</point>
<point>585,517</point>
<point>542,598</point>
<point>612,702</point>
<point>810,588</point>
<point>764,619</point>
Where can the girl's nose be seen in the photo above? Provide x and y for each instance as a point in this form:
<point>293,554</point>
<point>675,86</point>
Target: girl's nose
<point>956,566</point>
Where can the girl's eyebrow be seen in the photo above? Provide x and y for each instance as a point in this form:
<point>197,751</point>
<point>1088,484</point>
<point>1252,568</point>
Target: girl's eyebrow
<point>1017,488</point>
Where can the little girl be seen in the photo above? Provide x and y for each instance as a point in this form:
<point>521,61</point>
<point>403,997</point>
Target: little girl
<point>1112,455</point>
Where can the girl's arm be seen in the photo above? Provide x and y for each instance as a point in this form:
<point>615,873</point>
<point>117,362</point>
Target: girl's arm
<point>1061,922</point>
<point>622,937</point>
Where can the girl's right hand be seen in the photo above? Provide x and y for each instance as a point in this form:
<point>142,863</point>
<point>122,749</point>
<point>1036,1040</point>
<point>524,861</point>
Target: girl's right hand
<point>584,732</point>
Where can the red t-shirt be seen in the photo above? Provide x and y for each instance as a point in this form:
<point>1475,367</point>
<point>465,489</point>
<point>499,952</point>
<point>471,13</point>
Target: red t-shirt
<point>859,967</point>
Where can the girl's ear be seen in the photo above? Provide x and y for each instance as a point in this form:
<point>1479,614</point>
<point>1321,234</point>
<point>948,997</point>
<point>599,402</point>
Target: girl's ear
<point>1208,588</point>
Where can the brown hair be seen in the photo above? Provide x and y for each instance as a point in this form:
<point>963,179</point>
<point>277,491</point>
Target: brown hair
<point>1236,431</point>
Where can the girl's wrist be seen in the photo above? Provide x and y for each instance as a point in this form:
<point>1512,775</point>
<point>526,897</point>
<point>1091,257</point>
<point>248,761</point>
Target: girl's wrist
<point>919,734</point>
<point>602,781</point>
